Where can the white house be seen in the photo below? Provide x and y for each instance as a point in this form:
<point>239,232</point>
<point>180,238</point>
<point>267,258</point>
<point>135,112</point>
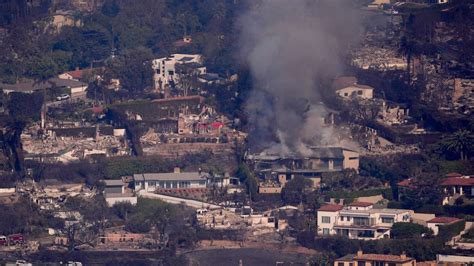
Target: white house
<point>176,180</point>
<point>359,220</point>
<point>356,91</point>
<point>165,68</point>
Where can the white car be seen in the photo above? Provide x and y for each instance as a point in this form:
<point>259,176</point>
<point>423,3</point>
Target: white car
<point>63,97</point>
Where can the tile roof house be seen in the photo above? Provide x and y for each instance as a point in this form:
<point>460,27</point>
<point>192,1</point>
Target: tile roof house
<point>359,220</point>
<point>375,260</point>
<point>436,222</point>
<point>454,187</point>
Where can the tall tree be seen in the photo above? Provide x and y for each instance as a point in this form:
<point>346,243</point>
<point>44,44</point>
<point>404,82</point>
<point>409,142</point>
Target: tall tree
<point>460,142</point>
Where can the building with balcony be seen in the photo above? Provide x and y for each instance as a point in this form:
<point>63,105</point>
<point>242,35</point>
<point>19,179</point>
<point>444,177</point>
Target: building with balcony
<point>166,72</point>
<point>359,220</point>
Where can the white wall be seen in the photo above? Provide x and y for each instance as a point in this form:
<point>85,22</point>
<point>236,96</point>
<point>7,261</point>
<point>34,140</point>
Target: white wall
<point>113,200</point>
<point>333,216</point>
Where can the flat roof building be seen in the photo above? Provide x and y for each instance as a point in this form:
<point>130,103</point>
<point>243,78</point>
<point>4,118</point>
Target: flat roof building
<point>177,179</point>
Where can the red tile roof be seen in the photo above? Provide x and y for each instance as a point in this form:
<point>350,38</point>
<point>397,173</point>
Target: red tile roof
<point>444,220</point>
<point>453,174</point>
<point>330,208</point>
<point>382,257</point>
<point>406,183</point>
<point>360,204</point>
<point>457,181</point>
<point>76,74</point>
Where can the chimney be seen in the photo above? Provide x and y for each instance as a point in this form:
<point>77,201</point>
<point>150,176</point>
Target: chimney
<point>360,253</point>
<point>177,170</point>
<point>403,256</point>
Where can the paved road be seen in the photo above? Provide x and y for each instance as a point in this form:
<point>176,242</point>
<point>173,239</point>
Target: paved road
<point>175,200</point>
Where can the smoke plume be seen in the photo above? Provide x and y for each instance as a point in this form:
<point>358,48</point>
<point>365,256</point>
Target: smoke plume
<point>291,46</point>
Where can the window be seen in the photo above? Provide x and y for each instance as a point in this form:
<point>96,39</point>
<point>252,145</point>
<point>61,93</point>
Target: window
<point>325,231</point>
<point>377,263</point>
<point>359,92</point>
<point>361,263</point>
<point>387,220</point>
<point>342,218</point>
<point>171,72</point>
<point>361,221</point>
<point>391,264</point>
<point>340,264</point>
<point>351,264</point>
<point>326,219</point>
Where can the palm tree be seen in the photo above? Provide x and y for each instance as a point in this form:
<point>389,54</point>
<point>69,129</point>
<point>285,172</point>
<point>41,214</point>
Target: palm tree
<point>460,142</point>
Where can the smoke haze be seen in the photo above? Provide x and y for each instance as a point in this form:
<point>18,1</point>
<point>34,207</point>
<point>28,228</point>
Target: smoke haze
<point>291,46</point>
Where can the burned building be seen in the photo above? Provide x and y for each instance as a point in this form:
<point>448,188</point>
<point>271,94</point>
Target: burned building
<point>321,160</point>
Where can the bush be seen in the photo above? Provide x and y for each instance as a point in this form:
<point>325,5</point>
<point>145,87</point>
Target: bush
<point>409,230</point>
<point>446,232</point>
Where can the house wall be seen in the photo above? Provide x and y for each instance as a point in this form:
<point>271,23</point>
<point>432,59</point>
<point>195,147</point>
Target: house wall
<point>114,189</point>
<point>78,91</point>
<point>327,228</point>
<point>114,200</point>
<point>151,186</point>
<point>351,160</point>
<point>351,91</point>
<point>434,227</point>
<point>422,218</point>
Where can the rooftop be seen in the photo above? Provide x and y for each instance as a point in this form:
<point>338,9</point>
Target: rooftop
<point>185,176</point>
<point>458,181</point>
<point>330,208</point>
<point>444,220</point>
<point>406,183</point>
<point>360,204</point>
<point>382,257</point>
<point>30,85</point>
<point>317,152</point>
<point>373,211</point>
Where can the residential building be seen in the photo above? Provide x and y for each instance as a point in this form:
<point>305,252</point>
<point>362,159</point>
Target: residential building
<point>165,72</point>
<point>152,181</point>
<point>347,88</point>
<point>361,259</point>
<point>116,191</point>
<point>454,186</point>
<point>77,88</point>
<point>85,74</point>
<point>322,159</point>
<point>457,185</point>
<point>62,18</point>
<point>435,223</point>
<point>356,91</point>
<point>359,220</point>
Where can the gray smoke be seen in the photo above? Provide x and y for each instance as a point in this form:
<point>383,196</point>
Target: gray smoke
<point>291,46</point>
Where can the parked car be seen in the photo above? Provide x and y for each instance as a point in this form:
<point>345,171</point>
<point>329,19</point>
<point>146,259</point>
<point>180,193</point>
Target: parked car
<point>63,97</point>
<point>15,239</point>
<point>3,241</point>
